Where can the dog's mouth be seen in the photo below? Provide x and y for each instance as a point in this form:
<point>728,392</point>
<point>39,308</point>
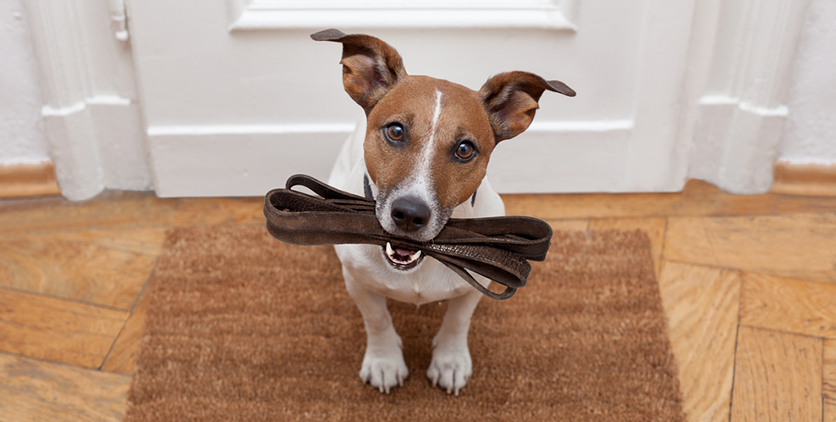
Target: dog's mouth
<point>402,258</point>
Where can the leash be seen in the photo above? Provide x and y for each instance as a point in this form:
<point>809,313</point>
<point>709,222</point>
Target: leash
<point>498,248</point>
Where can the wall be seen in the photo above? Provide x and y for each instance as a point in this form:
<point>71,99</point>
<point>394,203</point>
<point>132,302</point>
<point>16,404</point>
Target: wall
<point>810,133</point>
<point>22,138</point>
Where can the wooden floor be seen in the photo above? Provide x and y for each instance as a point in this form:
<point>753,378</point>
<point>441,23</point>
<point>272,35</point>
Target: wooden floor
<point>748,283</point>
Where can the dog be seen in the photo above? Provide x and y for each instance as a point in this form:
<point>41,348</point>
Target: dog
<point>422,156</point>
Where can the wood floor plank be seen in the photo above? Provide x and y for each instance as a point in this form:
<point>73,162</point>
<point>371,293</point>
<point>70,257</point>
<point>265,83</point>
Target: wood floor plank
<point>799,246</point>
<point>102,251</point>
<point>829,411</point>
<point>654,227</point>
<point>122,358</point>
<point>57,330</point>
<point>32,390</point>
<point>569,225</point>
<point>697,199</point>
<point>106,267</point>
<point>829,380</point>
<point>125,210</point>
<point>701,304</point>
<point>790,305</point>
<point>778,377</point>
<point>145,241</point>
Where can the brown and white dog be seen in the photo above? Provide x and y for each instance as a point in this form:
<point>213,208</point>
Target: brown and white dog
<point>422,155</point>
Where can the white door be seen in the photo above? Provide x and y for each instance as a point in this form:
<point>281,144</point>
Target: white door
<point>236,96</point>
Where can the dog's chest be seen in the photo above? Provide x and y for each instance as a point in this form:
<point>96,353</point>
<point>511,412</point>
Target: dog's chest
<point>430,282</point>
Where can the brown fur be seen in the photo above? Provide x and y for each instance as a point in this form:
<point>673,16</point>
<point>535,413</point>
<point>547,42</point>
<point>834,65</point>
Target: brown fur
<point>370,66</point>
<point>511,100</point>
<point>374,76</point>
<point>412,102</point>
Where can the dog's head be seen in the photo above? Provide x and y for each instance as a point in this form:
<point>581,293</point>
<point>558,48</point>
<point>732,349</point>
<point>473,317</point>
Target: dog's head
<point>428,141</point>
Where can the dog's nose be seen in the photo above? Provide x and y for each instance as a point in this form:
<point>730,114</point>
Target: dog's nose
<point>410,214</point>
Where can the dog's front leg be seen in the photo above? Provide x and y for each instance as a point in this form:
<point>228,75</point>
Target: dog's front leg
<point>383,364</point>
<point>451,365</point>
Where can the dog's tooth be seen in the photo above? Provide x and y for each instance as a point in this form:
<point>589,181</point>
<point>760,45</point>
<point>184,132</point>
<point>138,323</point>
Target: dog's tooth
<point>389,250</point>
<point>414,257</point>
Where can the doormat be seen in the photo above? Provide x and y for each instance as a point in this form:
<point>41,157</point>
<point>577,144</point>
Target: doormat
<point>241,327</point>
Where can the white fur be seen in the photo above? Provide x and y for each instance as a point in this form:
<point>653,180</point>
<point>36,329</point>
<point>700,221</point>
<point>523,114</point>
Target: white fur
<point>429,150</point>
<point>370,280</point>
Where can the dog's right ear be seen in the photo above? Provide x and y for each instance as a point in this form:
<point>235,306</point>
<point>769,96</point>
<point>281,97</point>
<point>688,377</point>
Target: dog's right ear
<point>511,99</point>
<point>370,66</point>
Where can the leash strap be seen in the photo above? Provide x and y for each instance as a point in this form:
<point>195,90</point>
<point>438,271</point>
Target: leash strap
<point>498,248</point>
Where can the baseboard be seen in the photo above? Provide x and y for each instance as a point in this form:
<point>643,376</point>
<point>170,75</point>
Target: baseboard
<point>249,160</point>
<point>804,179</point>
<point>24,180</point>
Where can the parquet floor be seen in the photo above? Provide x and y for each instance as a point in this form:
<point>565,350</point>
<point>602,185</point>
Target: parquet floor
<point>748,283</point>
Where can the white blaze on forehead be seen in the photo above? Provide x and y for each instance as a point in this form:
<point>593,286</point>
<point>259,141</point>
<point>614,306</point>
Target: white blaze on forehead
<point>419,183</point>
<point>429,149</point>
<point>436,114</point>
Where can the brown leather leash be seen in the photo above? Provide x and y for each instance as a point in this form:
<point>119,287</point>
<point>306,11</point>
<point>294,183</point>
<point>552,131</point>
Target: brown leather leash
<point>498,248</point>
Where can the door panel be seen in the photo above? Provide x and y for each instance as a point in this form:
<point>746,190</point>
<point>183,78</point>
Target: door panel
<point>257,102</point>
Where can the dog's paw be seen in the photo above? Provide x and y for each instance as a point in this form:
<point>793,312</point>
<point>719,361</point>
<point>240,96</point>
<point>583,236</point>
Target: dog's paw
<point>450,368</point>
<point>384,372</point>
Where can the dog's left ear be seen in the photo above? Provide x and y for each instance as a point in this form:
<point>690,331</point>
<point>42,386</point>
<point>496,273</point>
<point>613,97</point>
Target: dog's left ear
<point>511,101</point>
<point>370,66</point>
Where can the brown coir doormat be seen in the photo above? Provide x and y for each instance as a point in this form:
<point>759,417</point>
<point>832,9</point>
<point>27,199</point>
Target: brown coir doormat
<point>244,328</point>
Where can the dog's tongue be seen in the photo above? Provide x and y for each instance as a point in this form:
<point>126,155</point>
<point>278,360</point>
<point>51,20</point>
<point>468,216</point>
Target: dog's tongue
<point>403,252</point>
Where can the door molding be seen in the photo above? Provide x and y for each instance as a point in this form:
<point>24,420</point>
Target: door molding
<point>92,123</point>
<point>739,112</point>
<point>317,14</point>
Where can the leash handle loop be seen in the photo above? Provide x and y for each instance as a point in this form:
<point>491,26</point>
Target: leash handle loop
<point>497,248</point>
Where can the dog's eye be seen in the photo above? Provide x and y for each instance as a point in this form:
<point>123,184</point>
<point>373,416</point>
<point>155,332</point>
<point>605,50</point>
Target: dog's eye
<point>395,132</point>
<point>465,151</point>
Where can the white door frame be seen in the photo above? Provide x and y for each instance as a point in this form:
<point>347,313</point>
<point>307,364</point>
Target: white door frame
<point>741,57</point>
<point>91,114</point>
